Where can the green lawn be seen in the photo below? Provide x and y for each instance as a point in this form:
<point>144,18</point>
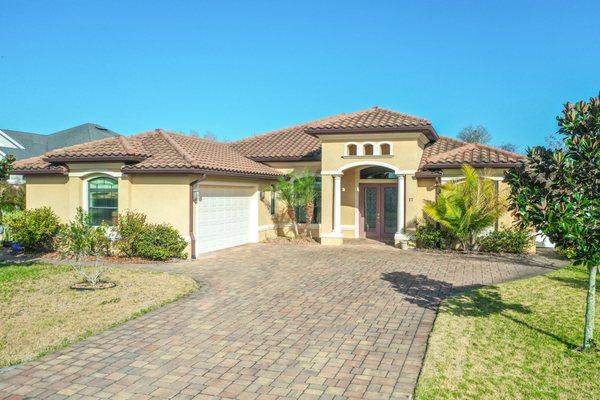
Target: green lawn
<point>517,340</point>
<point>39,313</point>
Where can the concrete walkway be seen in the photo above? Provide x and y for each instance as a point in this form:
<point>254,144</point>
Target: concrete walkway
<point>274,321</point>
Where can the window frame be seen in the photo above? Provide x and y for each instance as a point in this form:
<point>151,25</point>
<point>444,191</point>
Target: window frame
<point>88,197</point>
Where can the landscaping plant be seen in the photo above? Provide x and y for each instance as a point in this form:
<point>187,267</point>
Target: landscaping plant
<point>558,192</point>
<point>79,240</point>
<point>467,207</point>
<point>6,166</point>
<point>512,240</point>
<point>160,242</point>
<point>34,229</point>
<point>306,189</point>
<point>431,236</point>
<point>12,198</point>
<point>287,192</point>
<point>131,227</point>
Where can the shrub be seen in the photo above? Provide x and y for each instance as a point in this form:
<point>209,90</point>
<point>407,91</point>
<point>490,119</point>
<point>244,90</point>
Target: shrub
<point>35,229</point>
<point>79,239</point>
<point>161,242</point>
<point>506,241</point>
<point>430,236</point>
<point>131,226</point>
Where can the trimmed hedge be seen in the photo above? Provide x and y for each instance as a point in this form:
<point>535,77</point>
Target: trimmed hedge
<point>506,241</point>
<point>431,236</point>
<point>161,242</point>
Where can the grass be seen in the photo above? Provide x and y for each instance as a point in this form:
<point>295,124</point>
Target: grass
<point>517,340</point>
<point>39,313</point>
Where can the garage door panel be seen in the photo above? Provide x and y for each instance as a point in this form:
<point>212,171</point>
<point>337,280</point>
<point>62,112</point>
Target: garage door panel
<point>223,218</point>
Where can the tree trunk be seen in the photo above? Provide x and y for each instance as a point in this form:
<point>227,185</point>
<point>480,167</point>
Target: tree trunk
<point>292,214</point>
<point>590,310</point>
<point>309,209</point>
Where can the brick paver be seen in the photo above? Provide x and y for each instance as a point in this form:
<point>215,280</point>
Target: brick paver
<point>273,321</point>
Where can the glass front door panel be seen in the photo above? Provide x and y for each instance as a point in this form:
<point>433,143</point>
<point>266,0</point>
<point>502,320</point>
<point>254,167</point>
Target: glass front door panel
<point>370,209</point>
<point>390,210</point>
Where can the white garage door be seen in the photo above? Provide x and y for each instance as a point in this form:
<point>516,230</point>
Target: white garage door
<point>225,218</point>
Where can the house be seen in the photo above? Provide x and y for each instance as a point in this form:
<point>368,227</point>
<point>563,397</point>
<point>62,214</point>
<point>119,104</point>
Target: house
<point>376,168</point>
<point>26,144</point>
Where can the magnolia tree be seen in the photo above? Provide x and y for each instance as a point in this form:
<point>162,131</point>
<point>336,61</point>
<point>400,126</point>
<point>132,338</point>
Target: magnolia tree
<point>558,192</point>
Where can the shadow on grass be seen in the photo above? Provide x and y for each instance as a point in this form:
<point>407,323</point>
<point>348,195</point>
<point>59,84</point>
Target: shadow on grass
<point>470,301</point>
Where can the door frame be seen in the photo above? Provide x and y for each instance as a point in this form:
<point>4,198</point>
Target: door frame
<point>380,230</point>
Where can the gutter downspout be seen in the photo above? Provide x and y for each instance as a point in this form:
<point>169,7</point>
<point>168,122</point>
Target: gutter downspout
<point>191,216</point>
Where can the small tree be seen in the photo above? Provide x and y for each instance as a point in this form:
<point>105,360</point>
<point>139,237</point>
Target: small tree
<point>6,166</point>
<point>466,207</point>
<point>475,134</point>
<point>306,192</point>
<point>78,240</point>
<point>287,190</point>
<point>12,198</point>
<point>558,192</point>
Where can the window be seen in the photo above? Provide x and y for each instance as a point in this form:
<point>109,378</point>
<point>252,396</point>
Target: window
<point>301,214</point>
<point>368,149</point>
<point>273,200</point>
<point>377,173</point>
<point>385,149</point>
<point>352,150</point>
<point>103,200</point>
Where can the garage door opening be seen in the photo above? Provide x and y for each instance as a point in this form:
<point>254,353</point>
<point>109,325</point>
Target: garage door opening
<point>225,217</point>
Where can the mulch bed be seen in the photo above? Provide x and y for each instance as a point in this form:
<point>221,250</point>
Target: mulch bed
<point>99,286</point>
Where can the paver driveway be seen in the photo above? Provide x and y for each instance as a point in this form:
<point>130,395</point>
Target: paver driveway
<point>274,321</point>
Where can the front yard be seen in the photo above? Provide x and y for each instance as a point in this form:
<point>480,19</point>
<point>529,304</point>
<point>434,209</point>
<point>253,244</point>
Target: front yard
<point>40,313</point>
<point>516,340</point>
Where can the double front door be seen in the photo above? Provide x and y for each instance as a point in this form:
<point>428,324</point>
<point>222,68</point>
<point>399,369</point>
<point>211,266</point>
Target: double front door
<point>378,210</point>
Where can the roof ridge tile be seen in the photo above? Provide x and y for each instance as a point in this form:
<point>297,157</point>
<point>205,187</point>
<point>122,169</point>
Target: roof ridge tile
<point>184,154</point>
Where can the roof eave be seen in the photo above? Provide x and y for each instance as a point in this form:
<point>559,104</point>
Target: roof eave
<point>38,172</point>
<point>474,165</point>
<point>203,171</point>
<point>67,159</point>
<point>428,130</point>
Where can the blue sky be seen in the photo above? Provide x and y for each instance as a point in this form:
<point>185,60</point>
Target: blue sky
<point>239,68</point>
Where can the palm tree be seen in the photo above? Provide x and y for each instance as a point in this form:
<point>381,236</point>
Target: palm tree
<point>287,193</point>
<point>466,207</point>
<point>306,193</point>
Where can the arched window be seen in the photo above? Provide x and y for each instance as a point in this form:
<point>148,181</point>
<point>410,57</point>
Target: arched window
<point>103,203</point>
<point>352,150</point>
<point>368,149</point>
<point>385,148</point>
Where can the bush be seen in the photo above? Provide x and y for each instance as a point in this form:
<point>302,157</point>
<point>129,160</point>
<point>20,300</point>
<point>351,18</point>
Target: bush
<point>506,241</point>
<point>79,239</point>
<point>131,226</point>
<point>34,229</point>
<point>430,236</point>
<point>161,242</point>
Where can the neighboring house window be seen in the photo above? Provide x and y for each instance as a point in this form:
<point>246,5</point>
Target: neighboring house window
<point>301,214</point>
<point>352,150</point>
<point>368,149</point>
<point>273,200</point>
<point>103,200</point>
<point>385,149</point>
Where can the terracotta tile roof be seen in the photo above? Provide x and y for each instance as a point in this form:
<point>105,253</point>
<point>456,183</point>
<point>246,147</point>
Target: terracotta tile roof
<point>452,153</point>
<point>299,143</point>
<point>115,148</point>
<point>371,119</point>
<point>153,152</point>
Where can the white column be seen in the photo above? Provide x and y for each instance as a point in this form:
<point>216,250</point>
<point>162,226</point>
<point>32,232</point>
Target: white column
<point>400,211</point>
<point>337,204</point>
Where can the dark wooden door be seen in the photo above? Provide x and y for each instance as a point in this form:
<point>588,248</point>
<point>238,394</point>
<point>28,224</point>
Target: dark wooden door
<point>378,207</point>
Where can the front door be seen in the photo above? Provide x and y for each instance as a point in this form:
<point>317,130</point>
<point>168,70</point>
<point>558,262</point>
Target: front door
<point>378,210</point>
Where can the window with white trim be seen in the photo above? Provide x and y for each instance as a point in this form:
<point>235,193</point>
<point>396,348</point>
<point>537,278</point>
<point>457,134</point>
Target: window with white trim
<point>103,200</point>
<point>352,150</point>
<point>368,149</point>
<point>385,149</point>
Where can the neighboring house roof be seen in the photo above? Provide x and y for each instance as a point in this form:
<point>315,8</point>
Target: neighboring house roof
<point>152,152</point>
<point>300,143</point>
<point>34,144</point>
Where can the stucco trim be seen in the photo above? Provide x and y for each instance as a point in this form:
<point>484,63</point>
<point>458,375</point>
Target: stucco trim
<point>82,174</point>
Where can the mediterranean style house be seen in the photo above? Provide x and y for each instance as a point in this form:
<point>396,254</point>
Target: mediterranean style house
<point>376,169</point>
